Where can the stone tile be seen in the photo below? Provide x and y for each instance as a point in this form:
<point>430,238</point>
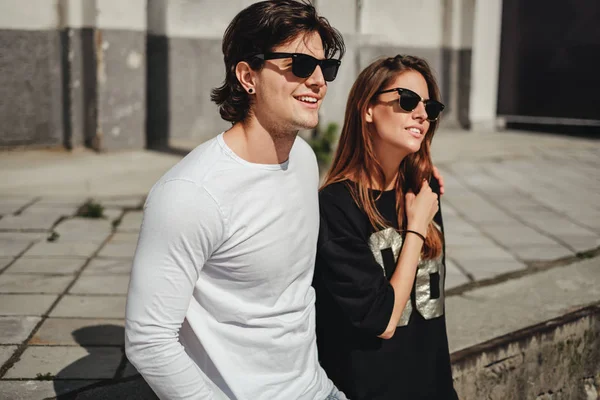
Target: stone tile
<point>29,283</point>
<point>54,266</point>
<point>62,249</point>
<point>516,235</point>
<point>131,222</point>
<point>26,198</point>
<point>105,266</point>
<point>112,284</point>
<point>486,269</point>
<point>90,307</point>
<point>489,216</point>
<point>25,304</point>
<point>118,250</point>
<point>35,221</point>
<point>468,239</point>
<point>541,253</point>
<point>581,242</point>
<point>490,312</point>
<point>5,353</point>
<point>587,218</point>
<point>458,226</point>
<point>82,332</point>
<point>125,237</point>
<point>112,214</point>
<point>35,390</point>
<point>74,201</point>
<point>4,261</point>
<point>480,211</point>
<point>13,247</point>
<point>84,230</point>
<point>67,362</point>
<point>122,202</point>
<point>61,210</point>
<point>24,236</point>
<point>515,202</point>
<point>8,207</point>
<point>447,209</point>
<point>14,330</point>
<point>454,276</point>
<point>554,223</point>
<point>478,252</point>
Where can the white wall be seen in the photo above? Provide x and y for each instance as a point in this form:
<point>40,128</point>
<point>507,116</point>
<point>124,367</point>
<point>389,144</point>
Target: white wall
<point>458,24</point>
<point>485,64</point>
<point>121,14</point>
<point>342,14</point>
<point>57,14</point>
<point>29,14</point>
<point>406,23</point>
<point>192,18</point>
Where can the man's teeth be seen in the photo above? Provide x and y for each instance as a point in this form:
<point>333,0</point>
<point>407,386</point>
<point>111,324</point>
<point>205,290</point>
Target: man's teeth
<point>308,99</point>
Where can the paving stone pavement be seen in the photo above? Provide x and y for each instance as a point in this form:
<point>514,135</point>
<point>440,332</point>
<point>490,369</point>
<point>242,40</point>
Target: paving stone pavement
<point>513,203</point>
<point>63,281</point>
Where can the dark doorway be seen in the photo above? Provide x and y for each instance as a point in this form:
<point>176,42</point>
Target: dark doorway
<point>549,58</point>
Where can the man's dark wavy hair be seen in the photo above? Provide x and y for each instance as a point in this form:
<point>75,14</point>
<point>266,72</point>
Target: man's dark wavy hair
<point>260,28</point>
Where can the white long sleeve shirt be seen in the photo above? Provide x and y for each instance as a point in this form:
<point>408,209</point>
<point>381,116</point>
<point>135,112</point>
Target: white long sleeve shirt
<point>220,303</point>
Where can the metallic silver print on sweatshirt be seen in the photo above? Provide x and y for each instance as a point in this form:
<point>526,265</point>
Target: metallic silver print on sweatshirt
<point>429,308</point>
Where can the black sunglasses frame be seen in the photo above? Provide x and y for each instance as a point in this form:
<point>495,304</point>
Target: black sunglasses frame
<point>425,102</point>
<point>329,66</point>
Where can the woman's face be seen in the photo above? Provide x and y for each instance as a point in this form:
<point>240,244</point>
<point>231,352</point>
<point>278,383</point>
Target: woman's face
<point>396,130</point>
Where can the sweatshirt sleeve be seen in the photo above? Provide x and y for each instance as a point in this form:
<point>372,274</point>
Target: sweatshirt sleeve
<point>349,272</point>
<point>181,228</point>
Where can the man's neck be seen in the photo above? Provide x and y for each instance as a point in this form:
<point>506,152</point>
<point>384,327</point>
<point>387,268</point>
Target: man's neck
<point>255,144</point>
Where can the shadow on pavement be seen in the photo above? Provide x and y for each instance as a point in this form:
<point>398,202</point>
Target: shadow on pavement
<point>95,340</point>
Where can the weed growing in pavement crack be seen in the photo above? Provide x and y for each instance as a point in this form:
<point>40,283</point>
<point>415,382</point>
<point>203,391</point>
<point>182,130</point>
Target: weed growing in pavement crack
<point>53,236</point>
<point>91,209</point>
<point>44,377</point>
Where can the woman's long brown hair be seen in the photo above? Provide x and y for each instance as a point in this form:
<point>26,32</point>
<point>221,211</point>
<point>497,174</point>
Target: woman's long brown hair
<point>355,157</point>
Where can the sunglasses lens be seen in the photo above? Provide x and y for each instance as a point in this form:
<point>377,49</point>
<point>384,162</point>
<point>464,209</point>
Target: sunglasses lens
<point>433,109</point>
<point>330,69</point>
<point>303,66</point>
<point>409,100</point>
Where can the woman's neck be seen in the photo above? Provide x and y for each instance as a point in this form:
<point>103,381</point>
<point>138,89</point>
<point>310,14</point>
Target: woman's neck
<point>389,160</point>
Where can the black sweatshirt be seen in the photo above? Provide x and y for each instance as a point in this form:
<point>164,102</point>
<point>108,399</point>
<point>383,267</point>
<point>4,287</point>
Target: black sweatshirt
<point>355,301</point>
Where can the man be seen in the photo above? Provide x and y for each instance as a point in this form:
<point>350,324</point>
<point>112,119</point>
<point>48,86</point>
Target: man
<point>220,304</point>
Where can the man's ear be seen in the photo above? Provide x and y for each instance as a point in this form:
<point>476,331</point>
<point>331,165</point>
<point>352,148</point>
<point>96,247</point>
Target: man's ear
<point>246,76</point>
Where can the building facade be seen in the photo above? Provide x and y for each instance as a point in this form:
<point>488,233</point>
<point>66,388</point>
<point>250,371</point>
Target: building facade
<point>113,74</point>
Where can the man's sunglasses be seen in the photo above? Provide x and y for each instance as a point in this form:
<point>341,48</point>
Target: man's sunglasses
<point>304,65</point>
<point>409,100</point>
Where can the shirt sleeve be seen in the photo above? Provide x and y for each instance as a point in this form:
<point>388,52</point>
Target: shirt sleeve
<point>181,228</point>
<point>349,272</point>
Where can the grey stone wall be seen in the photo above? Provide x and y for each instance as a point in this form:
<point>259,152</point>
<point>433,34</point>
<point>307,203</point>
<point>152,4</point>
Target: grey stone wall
<point>181,73</point>
<point>30,88</point>
<point>80,106</point>
<point>121,66</point>
<point>124,75</point>
<point>555,360</point>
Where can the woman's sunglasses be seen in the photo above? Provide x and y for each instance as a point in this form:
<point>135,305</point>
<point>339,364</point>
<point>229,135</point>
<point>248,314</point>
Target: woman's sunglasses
<point>304,65</point>
<point>409,100</point>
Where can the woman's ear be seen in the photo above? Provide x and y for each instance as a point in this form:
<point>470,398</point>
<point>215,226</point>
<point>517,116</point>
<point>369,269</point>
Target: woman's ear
<point>246,76</point>
<point>369,114</point>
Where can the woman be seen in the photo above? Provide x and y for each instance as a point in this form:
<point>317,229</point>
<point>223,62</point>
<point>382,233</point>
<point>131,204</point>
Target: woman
<point>379,274</point>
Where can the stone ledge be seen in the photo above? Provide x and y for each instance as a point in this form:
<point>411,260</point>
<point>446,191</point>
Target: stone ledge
<point>558,359</point>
